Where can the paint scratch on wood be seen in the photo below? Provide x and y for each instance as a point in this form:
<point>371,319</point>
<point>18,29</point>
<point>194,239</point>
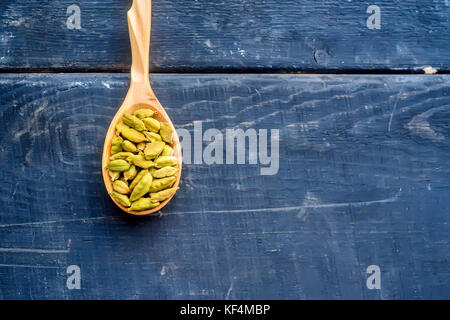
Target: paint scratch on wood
<point>23,250</point>
<point>37,223</point>
<point>27,266</point>
<point>420,126</point>
<point>41,251</point>
<point>277,209</point>
<point>299,208</point>
<point>230,289</point>
<point>391,117</point>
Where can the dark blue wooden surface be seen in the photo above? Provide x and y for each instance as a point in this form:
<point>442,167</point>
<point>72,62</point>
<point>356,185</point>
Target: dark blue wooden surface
<point>363,180</point>
<point>364,160</point>
<point>232,35</point>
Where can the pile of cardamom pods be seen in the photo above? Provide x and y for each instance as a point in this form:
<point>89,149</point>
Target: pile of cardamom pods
<point>142,166</point>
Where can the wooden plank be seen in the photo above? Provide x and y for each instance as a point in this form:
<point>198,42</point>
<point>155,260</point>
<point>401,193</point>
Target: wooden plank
<point>231,35</point>
<point>363,180</point>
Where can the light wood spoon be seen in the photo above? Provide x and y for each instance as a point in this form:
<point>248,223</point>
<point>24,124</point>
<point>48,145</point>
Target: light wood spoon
<point>140,94</point>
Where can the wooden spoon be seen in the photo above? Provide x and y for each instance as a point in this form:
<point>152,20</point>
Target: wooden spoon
<point>140,94</point>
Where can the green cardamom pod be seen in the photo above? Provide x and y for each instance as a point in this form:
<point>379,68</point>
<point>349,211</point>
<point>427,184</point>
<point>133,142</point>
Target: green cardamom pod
<point>121,187</point>
<point>130,173</point>
<point>164,172</point>
<point>144,113</point>
<point>138,178</point>
<point>118,165</point>
<point>142,187</point>
<point>166,161</point>
<point>133,135</point>
<point>151,124</point>
<point>143,204</point>
<point>129,146</point>
<point>140,161</point>
<point>140,142</point>
<point>116,144</point>
<point>163,195</point>
<point>141,146</point>
<point>133,122</point>
<point>121,198</point>
<point>167,151</point>
<point>160,184</point>
<point>114,175</point>
<point>152,137</point>
<point>166,132</point>
<point>120,155</point>
<point>120,126</point>
<point>153,149</point>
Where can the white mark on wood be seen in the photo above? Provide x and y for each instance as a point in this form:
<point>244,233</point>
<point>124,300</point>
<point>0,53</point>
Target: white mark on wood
<point>404,50</point>
<point>277,209</point>
<point>39,223</point>
<point>310,200</point>
<point>32,124</point>
<point>106,85</point>
<point>391,117</point>
<point>241,52</point>
<point>33,129</point>
<point>15,17</point>
<point>27,266</point>
<point>163,270</point>
<point>16,23</point>
<point>41,251</point>
<point>355,204</point>
<point>15,190</point>
<point>230,289</point>
<point>420,126</point>
<point>5,37</point>
<point>429,70</point>
<point>208,43</point>
<point>201,292</point>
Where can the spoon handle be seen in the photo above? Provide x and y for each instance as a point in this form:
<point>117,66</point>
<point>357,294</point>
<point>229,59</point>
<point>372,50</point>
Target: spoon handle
<point>139,24</point>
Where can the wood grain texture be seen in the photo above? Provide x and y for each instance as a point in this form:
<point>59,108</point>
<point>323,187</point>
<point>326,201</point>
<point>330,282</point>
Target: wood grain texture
<point>363,179</point>
<point>231,35</point>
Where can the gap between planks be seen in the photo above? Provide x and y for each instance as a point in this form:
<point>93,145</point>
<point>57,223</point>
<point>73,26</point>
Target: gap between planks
<point>415,71</point>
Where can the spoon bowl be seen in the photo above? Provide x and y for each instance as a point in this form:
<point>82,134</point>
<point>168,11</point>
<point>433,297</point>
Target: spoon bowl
<point>140,94</point>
